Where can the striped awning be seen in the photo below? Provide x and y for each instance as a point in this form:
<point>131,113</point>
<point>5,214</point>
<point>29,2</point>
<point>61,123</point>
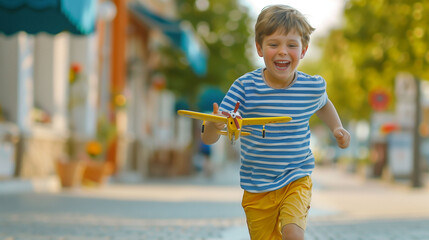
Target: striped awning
<point>180,36</point>
<point>52,16</point>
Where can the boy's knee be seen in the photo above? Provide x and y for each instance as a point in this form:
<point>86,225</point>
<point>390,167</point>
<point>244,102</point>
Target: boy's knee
<point>292,232</point>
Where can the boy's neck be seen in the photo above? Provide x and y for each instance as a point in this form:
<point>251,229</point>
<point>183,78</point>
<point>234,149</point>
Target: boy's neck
<point>278,84</point>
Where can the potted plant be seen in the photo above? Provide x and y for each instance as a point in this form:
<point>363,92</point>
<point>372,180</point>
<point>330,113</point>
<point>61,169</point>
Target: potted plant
<point>70,166</point>
<point>97,168</point>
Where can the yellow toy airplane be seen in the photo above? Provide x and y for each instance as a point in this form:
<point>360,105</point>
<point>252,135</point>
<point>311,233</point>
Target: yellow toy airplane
<point>234,121</point>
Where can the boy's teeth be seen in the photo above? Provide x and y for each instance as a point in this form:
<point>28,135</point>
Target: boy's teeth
<point>282,63</point>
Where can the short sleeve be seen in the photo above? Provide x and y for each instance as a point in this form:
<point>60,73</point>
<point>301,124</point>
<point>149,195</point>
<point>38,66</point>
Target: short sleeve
<point>323,99</point>
<point>235,93</point>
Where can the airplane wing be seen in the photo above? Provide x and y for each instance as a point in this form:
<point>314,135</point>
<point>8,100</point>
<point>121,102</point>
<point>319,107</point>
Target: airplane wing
<point>202,116</point>
<point>265,120</point>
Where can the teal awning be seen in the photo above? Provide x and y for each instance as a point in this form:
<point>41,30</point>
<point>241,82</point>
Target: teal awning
<point>52,16</point>
<point>180,37</point>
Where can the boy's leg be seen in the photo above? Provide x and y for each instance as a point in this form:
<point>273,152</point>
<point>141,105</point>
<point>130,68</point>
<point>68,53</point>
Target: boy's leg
<point>292,232</point>
<point>262,214</point>
<point>294,208</point>
<point>281,212</point>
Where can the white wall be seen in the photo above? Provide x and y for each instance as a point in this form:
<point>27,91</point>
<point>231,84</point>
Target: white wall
<point>51,77</point>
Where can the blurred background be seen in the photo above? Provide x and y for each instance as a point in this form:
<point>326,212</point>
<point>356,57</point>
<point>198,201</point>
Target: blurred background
<point>89,89</point>
<point>108,77</point>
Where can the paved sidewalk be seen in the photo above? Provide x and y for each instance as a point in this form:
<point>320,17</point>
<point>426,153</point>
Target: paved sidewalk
<point>18,185</point>
<point>344,206</point>
<point>353,197</point>
<point>367,208</point>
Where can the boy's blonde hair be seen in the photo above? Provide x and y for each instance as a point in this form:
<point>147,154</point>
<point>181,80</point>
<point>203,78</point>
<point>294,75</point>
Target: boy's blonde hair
<point>284,18</point>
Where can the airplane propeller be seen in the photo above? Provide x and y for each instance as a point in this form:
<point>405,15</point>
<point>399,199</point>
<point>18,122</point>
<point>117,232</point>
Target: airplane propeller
<point>236,107</point>
<point>234,115</point>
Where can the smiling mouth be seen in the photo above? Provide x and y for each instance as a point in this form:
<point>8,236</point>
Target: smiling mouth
<point>282,65</point>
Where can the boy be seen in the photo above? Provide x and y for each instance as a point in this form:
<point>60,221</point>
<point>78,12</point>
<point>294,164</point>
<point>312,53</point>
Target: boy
<point>275,170</point>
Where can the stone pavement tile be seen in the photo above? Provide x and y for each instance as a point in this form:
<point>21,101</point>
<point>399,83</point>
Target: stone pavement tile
<point>386,229</point>
<point>80,226</point>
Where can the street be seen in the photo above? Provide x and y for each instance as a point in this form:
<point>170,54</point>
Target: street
<point>344,206</point>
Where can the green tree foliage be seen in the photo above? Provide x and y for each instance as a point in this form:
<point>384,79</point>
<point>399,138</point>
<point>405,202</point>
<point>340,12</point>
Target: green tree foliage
<point>378,39</point>
<point>224,26</point>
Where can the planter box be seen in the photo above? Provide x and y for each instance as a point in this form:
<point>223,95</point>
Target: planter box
<point>70,172</point>
<point>96,173</point>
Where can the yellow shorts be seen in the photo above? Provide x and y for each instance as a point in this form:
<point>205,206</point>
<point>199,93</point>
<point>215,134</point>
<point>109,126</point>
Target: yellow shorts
<point>268,212</point>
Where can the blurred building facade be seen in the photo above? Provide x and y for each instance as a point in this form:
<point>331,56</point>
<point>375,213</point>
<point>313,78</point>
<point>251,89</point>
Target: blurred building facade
<point>115,44</point>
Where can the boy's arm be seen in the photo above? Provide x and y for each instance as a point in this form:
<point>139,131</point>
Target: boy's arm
<point>210,134</point>
<point>328,114</point>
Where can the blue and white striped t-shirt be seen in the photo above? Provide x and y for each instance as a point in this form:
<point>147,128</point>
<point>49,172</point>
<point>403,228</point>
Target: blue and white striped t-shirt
<point>284,154</point>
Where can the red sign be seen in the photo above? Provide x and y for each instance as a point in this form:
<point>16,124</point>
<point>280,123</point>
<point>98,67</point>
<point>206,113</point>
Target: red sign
<point>379,99</point>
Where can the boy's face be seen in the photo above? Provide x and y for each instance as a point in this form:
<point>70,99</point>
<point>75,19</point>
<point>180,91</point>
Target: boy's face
<point>281,54</point>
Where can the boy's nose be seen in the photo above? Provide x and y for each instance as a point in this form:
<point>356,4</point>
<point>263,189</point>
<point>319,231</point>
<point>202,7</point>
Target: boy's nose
<point>283,51</point>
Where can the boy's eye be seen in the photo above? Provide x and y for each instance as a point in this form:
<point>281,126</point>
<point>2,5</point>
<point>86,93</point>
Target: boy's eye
<point>272,45</point>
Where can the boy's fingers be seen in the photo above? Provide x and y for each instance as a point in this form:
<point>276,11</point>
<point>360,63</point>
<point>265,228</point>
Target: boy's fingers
<point>343,138</point>
<point>215,108</point>
<point>338,134</point>
<point>219,126</point>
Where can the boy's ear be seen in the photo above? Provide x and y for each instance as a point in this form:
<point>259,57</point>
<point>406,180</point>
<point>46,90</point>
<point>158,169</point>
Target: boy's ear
<point>304,50</point>
<point>259,49</point>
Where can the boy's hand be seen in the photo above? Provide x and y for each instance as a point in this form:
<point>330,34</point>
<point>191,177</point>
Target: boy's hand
<point>218,126</point>
<point>210,134</point>
<point>342,137</point>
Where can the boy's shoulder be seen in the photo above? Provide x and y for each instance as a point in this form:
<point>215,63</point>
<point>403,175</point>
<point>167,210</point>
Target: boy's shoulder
<point>250,78</point>
<point>307,77</point>
<point>255,74</point>
<point>311,80</point>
